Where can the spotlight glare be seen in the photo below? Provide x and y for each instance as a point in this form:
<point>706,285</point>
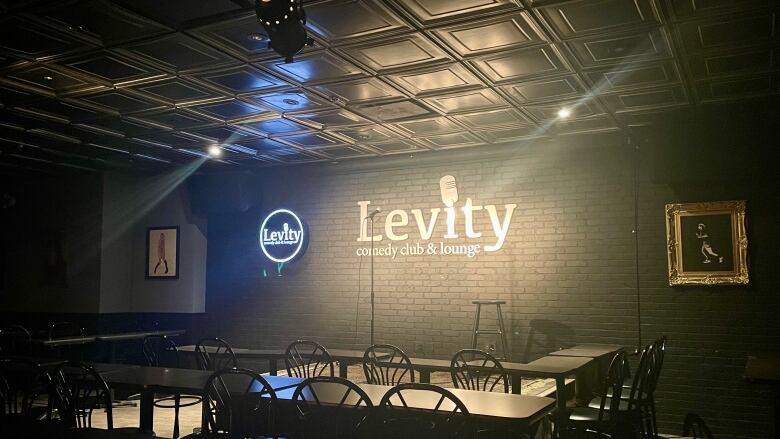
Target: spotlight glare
<point>215,151</point>
<point>563,113</point>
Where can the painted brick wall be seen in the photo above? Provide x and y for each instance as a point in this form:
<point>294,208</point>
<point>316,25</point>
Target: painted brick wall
<point>567,271</point>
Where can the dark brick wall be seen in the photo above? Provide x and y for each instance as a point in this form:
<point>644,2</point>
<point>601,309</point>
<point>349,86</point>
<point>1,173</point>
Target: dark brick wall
<point>567,270</point>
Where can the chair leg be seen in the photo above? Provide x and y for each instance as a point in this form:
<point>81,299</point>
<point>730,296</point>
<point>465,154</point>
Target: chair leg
<point>176,403</point>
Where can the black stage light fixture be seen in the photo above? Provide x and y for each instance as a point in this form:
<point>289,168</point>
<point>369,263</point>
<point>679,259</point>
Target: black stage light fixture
<point>283,20</point>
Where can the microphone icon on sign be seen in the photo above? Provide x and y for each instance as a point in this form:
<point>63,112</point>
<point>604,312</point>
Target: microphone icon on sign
<point>449,190</point>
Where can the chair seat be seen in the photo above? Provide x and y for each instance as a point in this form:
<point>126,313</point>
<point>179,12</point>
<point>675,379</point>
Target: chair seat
<point>595,403</point>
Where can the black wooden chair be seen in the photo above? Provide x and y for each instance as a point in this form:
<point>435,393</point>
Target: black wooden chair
<point>238,403</point>
<point>306,359</point>
<point>14,340</point>
<point>473,369</point>
<point>602,420</point>
<point>331,408</point>
<point>387,365</point>
<point>424,411</point>
<point>214,354</point>
<point>161,351</point>
<point>78,392</point>
<point>695,427</point>
<point>24,390</point>
<point>636,405</point>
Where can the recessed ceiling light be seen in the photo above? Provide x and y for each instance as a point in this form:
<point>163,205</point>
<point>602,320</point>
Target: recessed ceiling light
<point>364,136</point>
<point>48,78</point>
<point>215,151</point>
<point>563,113</point>
<point>289,101</point>
<point>254,36</point>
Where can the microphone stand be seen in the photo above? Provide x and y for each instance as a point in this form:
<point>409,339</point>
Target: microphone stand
<point>371,232</point>
<point>372,280</point>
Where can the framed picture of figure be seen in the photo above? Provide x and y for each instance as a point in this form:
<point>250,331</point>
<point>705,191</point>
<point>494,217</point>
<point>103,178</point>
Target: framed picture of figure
<point>707,243</point>
<point>162,252</point>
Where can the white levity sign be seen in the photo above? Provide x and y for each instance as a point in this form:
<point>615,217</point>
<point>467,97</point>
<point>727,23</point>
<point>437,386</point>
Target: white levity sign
<point>431,238</point>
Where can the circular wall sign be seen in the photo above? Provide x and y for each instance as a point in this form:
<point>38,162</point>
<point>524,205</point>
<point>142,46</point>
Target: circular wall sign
<point>281,235</point>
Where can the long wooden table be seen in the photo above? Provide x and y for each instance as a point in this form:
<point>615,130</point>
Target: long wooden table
<point>522,409</point>
<point>122,336</point>
<point>150,380</point>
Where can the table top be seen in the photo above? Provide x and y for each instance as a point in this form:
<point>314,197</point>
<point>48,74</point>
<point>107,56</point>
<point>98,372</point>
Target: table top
<point>590,350</point>
<point>209,349</point>
<point>63,341</point>
<point>430,364</point>
<point>484,404</point>
<point>121,336</point>
<point>177,380</point>
<point>548,367</point>
<point>276,353</point>
<point>79,339</point>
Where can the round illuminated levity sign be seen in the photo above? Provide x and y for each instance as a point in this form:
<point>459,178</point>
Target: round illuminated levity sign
<point>281,235</point>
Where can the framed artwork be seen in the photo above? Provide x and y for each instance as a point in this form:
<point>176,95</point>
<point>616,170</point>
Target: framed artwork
<point>707,243</point>
<point>162,252</point>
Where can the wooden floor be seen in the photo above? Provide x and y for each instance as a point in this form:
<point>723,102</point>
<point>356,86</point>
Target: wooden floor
<point>189,417</point>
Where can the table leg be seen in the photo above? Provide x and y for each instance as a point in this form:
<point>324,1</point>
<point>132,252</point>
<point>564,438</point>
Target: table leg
<point>343,369</point>
<point>517,383</point>
<point>272,366</point>
<point>425,376</point>
<point>562,413</point>
<point>146,411</point>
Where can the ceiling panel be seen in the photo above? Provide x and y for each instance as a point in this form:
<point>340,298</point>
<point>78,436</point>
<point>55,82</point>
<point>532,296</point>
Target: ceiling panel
<point>291,101</point>
<point>730,30</point>
<point>178,53</point>
<point>636,75</point>
<point>521,64</point>
<point>437,11</point>
<point>337,20</point>
<point>323,66</point>
<point>482,119</point>
<point>393,54</point>
<point>621,49</point>
<point>645,99</point>
<point>549,111</point>
<point>47,80</point>
<point>274,127</point>
<point>393,111</point>
<point>311,140</point>
<point>552,89</point>
<point>343,152</point>
<point>453,140</point>
<point>119,101</point>
<point>359,91</point>
<point>367,134</point>
<point>466,101</point>
<point>437,79</point>
<point>29,40</point>
<point>112,68</point>
<point>226,134</point>
<point>737,88</point>
<point>104,24</point>
<point>241,80</point>
<point>582,17</point>
<point>398,146</point>
<point>174,119</point>
<point>499,33</point>
<point>735,62</point>
<point>330,119</point>
<point>229,110</point>
<point>511,134</point>
<point>175,91</point>
<point>232,36</point>
<point>423,127</point>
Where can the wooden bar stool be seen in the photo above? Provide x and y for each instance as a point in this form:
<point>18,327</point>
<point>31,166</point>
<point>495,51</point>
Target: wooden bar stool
<point>498,331</point>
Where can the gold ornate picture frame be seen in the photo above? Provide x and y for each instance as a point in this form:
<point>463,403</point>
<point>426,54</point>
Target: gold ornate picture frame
<point>707,243</point>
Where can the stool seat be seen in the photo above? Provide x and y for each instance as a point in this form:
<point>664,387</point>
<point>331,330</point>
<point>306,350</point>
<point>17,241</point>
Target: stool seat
<point>489,302</point>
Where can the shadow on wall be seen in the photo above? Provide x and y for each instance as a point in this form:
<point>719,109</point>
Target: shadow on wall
<point>546,336</point>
